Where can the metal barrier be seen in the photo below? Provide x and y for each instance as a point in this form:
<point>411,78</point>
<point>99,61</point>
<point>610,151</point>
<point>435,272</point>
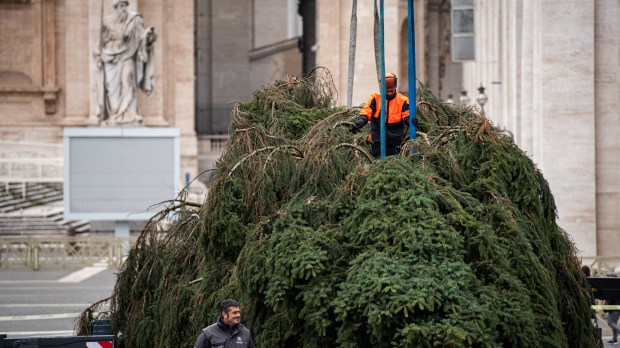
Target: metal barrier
<point>30,162</point>
<point>32,169</point>
<point>18,149</point>
<point>62,252</point>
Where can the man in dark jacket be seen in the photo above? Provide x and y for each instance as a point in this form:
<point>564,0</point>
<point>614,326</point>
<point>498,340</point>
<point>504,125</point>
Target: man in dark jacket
<point>227,332</point>
<point>396,118</point>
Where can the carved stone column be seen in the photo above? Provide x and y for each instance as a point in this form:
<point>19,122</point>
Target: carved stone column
<point>50,89</point>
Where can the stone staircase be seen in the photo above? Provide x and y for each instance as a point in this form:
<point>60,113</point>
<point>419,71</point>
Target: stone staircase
<point>39,213</point>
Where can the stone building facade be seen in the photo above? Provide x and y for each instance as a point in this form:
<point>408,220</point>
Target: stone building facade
<point>48,76</point>
<point>434,65</point>
<point>240,46</point>
<point>208,55</point>
<point>550,69</point>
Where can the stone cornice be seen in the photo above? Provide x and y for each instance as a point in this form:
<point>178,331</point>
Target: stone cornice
<point>49,94</point>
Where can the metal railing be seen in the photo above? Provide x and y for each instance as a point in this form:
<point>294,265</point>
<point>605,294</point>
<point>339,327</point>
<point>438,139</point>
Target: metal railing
<point>63,252</point>
<point>28,149</point>
<point>33,169</point>
<point>30,162</point>
<point>600,266</point>
<point>22,171</point>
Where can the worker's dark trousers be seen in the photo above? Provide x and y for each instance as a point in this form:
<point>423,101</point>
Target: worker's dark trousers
<point>390,149</point>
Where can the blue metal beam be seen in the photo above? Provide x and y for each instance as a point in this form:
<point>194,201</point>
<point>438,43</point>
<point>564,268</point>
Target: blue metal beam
<point>411,70</point>
<point>382,77</point>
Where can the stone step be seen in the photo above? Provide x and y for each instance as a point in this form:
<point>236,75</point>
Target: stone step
<point>48,227</point>
<point>33,223</point>
<point>34,234</point>
<point>30,191</point>
<point>37,214</point>
<point>41,225</point>
<point>17,204</point>
<point>37,227</point>
<point>83,229</point>
<point>53,214</point>
<point>77,227</point>
<point>18,189</point>
<point>30,194</point>
<point>40,220</point>
<point>10,223</point>
<point>43,228</point>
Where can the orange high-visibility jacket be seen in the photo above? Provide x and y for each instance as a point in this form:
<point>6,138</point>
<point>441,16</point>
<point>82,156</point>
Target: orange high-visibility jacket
<point>397,116</point>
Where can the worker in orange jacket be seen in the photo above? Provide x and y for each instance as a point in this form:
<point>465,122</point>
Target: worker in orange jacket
<point>397,116</point>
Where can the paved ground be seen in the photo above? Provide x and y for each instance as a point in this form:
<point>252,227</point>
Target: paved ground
<point>46,302</point>
<point>607,335</point>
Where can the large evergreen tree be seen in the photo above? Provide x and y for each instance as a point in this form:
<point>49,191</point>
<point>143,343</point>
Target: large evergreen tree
<point>454,243</point>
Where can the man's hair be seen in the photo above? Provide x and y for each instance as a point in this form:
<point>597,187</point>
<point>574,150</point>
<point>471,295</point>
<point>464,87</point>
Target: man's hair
<point>226,304</point>
<point>586,270</point>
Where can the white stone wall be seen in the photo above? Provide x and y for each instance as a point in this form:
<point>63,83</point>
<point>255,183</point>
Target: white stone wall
<point>557,64</point>
<point>607,125</point>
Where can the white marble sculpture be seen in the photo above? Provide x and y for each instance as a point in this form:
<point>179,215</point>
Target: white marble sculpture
<point>125,61</point>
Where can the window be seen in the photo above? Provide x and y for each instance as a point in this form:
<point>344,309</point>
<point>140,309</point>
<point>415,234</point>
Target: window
<point>463,39</point>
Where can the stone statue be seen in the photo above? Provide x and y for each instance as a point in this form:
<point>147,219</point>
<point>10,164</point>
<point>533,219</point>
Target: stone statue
<point>125,60</point>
